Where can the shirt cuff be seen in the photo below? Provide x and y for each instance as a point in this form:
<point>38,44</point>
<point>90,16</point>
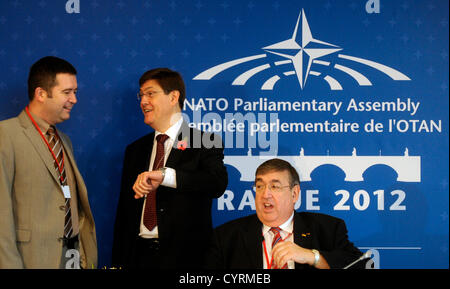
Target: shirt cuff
<point>170,178</point>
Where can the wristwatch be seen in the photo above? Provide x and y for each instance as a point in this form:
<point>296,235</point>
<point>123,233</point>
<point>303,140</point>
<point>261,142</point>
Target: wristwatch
<point>316,257</point>
<point>163,171</point>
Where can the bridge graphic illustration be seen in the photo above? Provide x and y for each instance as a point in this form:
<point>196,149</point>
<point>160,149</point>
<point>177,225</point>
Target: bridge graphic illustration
<point>407,167</point>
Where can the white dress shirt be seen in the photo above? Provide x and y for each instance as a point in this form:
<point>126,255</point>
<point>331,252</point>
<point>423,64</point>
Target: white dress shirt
<point>287,231</point>
<point>170,178</point>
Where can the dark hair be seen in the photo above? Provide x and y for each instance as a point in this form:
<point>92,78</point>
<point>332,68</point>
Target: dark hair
<point>43,73</point>
<point>279,165</point>
<point>169,80</point>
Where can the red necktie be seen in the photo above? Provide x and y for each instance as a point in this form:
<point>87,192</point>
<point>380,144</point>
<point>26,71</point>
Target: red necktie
<point>150,203</point>
<point>277,238</point>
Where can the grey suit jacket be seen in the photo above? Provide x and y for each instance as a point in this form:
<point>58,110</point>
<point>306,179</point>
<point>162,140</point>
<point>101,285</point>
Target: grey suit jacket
<point>32,202</point>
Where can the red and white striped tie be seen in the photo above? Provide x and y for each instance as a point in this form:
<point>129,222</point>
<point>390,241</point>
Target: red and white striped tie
<point>55,143</point>
<point>277,238</point>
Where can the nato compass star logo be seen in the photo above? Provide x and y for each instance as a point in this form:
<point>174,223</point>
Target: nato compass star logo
<point>302,51</point>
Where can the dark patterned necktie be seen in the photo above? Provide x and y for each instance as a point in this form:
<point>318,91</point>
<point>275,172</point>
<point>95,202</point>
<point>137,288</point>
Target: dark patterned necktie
<point>150,203</point>
<point>55,144</point>
<point>277,238</point>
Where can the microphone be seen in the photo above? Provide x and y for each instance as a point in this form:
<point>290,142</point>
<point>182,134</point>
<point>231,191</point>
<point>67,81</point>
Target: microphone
<point>366,255</point>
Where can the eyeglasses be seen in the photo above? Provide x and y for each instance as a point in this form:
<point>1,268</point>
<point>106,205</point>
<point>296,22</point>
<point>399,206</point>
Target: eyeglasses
<point>274,188</point>
<point>148,94</point>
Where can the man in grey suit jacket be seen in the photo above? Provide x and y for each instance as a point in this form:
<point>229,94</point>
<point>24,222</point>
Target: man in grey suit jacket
<point>45,217</point>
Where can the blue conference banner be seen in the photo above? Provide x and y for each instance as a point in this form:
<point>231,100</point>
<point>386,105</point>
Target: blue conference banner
<point>353,93</point>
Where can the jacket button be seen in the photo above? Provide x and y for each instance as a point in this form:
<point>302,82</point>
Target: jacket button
<point>161,210</point>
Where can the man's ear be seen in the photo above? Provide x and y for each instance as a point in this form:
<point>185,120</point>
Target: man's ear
<point>40,94</point>
<point>174,96</point>
<point>295,193</point>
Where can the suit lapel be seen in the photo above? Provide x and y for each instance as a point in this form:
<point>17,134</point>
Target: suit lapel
<point>146,152</point>
<point>302,232</point>
<point>69,159</point>
<point>174,158</point>
<point>39,144</point>
<point>176,153</point>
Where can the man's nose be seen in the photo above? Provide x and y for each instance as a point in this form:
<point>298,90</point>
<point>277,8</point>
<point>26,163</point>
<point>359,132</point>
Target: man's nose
<point>267,193</point>
<point>144,101</point>
<point>73,98</point>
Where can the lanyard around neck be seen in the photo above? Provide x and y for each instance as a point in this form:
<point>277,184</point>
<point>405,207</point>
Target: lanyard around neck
<point>60,167</point>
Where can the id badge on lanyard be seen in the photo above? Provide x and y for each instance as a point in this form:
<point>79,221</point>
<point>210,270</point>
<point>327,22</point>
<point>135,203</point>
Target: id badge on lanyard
<point>66,191</point>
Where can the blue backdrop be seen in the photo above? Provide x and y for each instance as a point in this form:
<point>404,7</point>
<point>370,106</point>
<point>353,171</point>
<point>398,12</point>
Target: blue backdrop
<point>354,93</point>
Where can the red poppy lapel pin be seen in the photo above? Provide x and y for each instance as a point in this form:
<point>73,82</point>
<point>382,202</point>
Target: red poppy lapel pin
<point>182,144</point>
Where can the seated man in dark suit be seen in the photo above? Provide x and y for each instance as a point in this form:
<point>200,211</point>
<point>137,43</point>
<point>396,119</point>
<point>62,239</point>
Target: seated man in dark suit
<point>277,236</point>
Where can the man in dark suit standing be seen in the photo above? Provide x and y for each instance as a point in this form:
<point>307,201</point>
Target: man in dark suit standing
<point>278,237</point>
<point>169,179</point>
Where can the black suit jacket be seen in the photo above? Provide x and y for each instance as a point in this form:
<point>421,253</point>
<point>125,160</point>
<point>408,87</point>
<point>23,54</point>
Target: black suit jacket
<point>184,213</point>
<point>238,243</point>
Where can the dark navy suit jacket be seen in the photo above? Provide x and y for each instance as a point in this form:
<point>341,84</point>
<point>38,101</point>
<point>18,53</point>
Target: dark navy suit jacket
<point>238,243</point>
<point>184,213</point>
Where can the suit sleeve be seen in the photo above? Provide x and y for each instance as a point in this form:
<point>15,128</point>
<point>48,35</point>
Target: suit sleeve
<point>9,253</point>
<point>209,178</point>
<point>121,227</point>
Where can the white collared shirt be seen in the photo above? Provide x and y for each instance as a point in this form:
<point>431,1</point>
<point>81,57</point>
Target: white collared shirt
<point>170,178</point>
<point>287,230</point>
